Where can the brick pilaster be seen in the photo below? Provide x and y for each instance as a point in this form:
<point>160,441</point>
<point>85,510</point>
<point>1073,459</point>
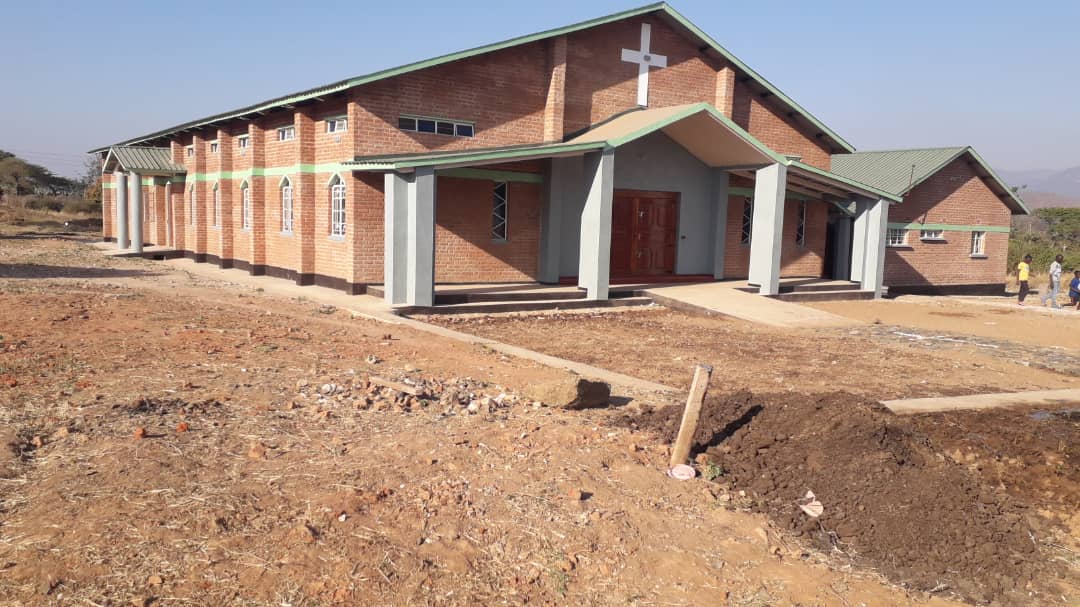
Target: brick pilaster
<point>203,202</point>
<point>305,197</point>
<point>555,103</point>
<point>725,90</point>
<point>227,233</point>
<point>256,253</point>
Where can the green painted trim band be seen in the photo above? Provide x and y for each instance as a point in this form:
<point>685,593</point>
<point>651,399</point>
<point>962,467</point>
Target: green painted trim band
<point>948,227</point>
<point>108,185</point>
<point>296,169</point>
<point>487,175</point>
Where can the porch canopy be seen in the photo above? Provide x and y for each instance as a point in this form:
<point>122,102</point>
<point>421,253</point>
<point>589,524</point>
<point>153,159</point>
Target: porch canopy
<point>700,128</point>
<point>135,162</point>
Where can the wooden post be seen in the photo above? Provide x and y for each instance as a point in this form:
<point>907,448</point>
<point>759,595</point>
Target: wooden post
<point>681,452</point>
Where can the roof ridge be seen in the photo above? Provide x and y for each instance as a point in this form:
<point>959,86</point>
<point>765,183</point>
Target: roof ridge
<point>927,149</point>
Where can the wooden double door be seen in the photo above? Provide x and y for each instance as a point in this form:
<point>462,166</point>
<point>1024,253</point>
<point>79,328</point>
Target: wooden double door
<point>644,234</point>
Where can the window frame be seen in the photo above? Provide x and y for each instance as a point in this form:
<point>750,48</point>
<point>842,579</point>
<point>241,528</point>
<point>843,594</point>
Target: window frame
<point>286,133</point>
<point>454,126</point>
<point>286,187</point>
<point>217,206</point>
<point>894,243</point>
<point>746,233</point>
<point>500,212</point>
<point>242,141</point>
<point>190,150</point>
<point>215,147</point>
<point>931,235</point>
<point>800,225</point>
<point>338,203</point>
<point>978,237</point>
<point>246,208</point>
<point>333,121</point>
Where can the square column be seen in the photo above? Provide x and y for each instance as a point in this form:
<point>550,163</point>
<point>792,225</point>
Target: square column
<point>420,225</point>
<point>858,240</point>
<point>120,178</point>
<point>841,269</point>
<point>395,236</point>
<point>770,186</point>
<point>721,181</point>
<point>873,267</point>
<point>551,218</point>
<point>594,261</point>
<point>136,213</point>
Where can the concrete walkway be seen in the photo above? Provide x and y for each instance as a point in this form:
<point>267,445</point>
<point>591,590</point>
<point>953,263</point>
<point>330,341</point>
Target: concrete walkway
<point>373,308</point>
<point>912,406</point>
<point>724,298</point>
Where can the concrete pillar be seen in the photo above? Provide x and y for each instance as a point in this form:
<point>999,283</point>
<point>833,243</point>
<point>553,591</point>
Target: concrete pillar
<point>551,218</point>
<point>395,236</point>
<point>721,180</point>
<point>770,185</point>
<point>841,269</point>
<point>594,261</point>
<point>136,213</point>
<point>121,210</point>
<point>858,241</point>
<point>877,225</point>
<point>420,225</point>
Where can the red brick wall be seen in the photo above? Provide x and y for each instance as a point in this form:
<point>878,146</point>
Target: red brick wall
<point>367,208</point>
<point>599,83</point>
<point>108,205</point>
<point>957,196</point>
<point>795,260</point>
<point>775,129</point>
<point>464,250</point>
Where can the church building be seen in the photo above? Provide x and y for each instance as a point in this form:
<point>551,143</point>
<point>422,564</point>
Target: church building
<point>631,148</point>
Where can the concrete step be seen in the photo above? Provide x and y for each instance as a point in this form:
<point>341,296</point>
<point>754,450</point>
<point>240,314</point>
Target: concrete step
<point>807,296</point>
<point>446,299</point>
<point>486,307</point>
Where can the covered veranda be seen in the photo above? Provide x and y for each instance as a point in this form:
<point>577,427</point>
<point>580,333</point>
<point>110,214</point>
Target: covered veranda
<point>689,151</point>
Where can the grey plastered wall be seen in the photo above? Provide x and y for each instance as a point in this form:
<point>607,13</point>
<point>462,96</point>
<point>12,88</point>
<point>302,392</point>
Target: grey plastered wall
<point>657,163</point>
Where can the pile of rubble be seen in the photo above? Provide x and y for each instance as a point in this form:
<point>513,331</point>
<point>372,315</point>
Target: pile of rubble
<point>405,393</point>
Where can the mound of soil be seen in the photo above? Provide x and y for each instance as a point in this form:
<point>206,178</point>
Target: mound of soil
<point>890,500</point>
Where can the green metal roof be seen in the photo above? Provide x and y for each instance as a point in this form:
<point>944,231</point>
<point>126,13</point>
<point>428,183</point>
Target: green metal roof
<point>661,8</point>
<point>142,159</point>
<point>899,171</point>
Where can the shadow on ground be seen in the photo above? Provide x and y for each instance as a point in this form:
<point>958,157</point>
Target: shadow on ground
<point>33,270</point>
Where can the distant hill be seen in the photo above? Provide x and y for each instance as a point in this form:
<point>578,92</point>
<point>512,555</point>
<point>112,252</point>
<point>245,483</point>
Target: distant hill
<point>1064,183</point>
<point>1042,200</point>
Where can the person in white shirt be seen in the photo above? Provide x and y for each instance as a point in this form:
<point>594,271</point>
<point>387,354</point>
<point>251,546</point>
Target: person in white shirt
<point>1054,288</point>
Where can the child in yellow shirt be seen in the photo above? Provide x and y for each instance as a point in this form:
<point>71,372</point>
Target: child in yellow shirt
<point>1023,270</point>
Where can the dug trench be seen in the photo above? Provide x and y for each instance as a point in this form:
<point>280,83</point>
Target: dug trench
<point>893,500</point>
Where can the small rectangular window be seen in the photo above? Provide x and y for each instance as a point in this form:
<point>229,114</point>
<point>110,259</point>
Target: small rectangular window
<point>286,133</point>
<point>897,237</point>
<point>190,151</point>
<point>444,128</point>
<point>213,147</point>
<point>242,141</point>
<point>800,225</point>
<point>337,124</point>
<point>747,221</point>
<point>452,128</point>
<point>978,243</point>
<point>931,235</point>
<point>406,124</point>
<point>425,126</point>
<point>463,130</point>
<point>498,213</point>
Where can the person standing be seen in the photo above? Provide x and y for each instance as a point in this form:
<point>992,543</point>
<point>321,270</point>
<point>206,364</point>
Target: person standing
<point>1074,290</point>
<point>1023,272</point>
<point>1054,288</point>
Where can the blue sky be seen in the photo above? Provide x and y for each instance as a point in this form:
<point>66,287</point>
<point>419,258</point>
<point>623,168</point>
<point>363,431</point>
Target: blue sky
<point>1001,76</point>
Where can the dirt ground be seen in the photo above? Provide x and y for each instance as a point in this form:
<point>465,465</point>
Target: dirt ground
<point>968,316</point>
<point>166,439</point>
<point>877,361</point>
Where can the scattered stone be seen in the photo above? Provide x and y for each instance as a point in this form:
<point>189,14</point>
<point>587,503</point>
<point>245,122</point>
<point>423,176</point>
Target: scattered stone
<point>303,534</point>
<point>182,427</point>
<point>327,309</point>
<point>257,451</point>
<point>572,393</point>
<point>140,433</point>
<point>155,580</point>
<point>575,495</point>
<point>371,359</point>
<point>38,441</point>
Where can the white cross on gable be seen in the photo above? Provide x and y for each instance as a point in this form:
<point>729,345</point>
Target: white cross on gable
<point>644,60</point>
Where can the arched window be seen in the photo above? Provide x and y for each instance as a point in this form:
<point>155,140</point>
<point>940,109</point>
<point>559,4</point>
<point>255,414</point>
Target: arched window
<point>286,206</point>
<point>245,206</point>
<point>191,214</point>
<point>337,207</point>
<point>217,205</point>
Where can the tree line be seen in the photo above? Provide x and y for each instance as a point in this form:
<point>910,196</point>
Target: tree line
<point>1056,233</point>
<point>34,186</point>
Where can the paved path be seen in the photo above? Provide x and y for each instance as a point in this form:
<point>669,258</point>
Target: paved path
<point>983,401</point>
<point>724,299</point>
<point>374,308</point>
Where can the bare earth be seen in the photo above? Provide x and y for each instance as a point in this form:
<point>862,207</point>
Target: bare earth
<point>166,439</point>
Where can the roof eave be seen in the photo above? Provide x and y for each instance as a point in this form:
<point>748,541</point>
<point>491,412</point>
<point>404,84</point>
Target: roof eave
<point>855,186</point>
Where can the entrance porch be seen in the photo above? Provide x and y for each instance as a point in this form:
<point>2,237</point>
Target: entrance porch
<point>649,196</point>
